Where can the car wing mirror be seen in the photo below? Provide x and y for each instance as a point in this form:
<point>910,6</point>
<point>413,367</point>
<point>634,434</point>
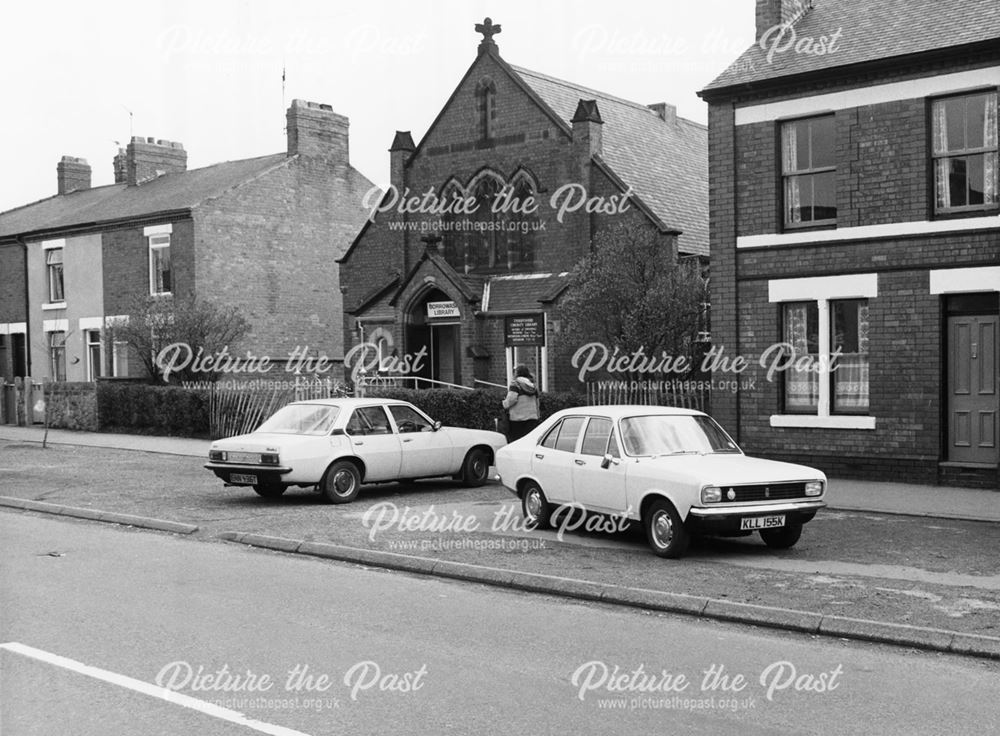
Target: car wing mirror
<point>608,460</point>
<point>437,426</point>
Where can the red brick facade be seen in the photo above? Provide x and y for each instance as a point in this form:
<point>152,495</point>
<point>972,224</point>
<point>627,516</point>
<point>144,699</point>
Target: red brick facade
<point>920,266</point>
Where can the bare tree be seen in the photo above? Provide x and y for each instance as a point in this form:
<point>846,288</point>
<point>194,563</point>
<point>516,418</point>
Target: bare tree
<point>154,323</point>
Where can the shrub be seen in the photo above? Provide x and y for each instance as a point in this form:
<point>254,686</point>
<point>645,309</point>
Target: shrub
<point>473,409</point>
<point>146,409</point>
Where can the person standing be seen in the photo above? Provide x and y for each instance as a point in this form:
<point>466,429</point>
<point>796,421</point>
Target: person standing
<point>521,403</point>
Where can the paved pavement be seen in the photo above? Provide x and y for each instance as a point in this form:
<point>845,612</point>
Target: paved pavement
<point>855,495</point>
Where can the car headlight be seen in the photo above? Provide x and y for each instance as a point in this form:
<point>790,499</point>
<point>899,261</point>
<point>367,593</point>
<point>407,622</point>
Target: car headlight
<point>711,494</point>
<point>216,455</point>
<point>814,488</point>
<point>268,459</point>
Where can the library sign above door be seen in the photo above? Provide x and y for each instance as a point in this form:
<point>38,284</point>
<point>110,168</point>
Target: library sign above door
<point>442,310</point>
<point>525,331</point>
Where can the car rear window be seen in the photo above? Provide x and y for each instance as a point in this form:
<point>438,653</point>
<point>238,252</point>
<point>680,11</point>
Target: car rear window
<point>568,433</point>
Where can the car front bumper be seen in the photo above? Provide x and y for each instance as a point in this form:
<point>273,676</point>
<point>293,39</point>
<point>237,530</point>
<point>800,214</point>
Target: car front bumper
<point>726,519</point>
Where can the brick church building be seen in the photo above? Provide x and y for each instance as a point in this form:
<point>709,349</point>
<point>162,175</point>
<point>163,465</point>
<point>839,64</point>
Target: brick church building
<point>856,226</point>
<point>444,271</point>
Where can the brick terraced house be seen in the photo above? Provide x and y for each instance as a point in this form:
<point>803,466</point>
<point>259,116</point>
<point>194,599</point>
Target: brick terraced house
<point>475,290</point>
<point>855,224</point>
<point>262,234</point>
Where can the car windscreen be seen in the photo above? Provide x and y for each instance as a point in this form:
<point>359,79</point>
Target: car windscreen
<point>307,419</point>
<point>674,435</point>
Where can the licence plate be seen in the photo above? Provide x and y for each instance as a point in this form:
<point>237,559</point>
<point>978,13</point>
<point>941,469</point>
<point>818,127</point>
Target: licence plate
<point>761,522</point>
<point>243,457</point>
<point>240,478</point>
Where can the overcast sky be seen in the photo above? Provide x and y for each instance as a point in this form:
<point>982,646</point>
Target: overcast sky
<point>79,78</point>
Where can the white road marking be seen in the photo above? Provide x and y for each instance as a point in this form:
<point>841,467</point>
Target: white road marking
<point>162,693</point>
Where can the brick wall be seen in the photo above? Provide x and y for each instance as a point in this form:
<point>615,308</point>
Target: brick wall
<point>271,247</point>
<point>12,296</point>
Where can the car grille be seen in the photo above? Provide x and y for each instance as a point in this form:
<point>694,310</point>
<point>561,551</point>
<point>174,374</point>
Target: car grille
<point>764,492</point>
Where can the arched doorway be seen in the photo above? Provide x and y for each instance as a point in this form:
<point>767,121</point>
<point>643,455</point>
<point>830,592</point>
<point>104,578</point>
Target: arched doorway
<point>433,323</point>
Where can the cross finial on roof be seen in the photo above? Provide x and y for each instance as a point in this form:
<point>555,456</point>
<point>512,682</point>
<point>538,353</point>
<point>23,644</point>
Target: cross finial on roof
<point>489,30</point>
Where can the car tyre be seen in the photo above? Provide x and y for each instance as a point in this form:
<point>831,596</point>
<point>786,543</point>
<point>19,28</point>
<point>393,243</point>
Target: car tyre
<point>783,537</point>
<point>476,468</point>
<point>341,482</point>
<point>269,490</point>
<point>665,532</point>
<point>536,507</point>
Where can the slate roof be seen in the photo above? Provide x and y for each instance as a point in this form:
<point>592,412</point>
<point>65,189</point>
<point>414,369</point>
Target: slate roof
<point>665,163</point>
<point>870,30</point>
<point>114,202</point>
<point>521,293</point>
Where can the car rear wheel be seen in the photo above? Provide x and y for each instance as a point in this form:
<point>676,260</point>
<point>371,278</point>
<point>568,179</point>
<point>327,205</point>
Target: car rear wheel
<point>341,482</point>
<point>783,537</point>
<point>269,490</point>
<point>476,468</point>
<point>536,508</point>
<point>665,532</point>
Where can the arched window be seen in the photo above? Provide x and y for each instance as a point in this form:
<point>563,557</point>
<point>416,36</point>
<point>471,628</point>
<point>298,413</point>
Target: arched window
<point>453,233</point>
<point>521,225</point>
<point>487,241</point>
<point>486,92</point>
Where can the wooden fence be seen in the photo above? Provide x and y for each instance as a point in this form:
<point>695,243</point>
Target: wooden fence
<point>693,395</point>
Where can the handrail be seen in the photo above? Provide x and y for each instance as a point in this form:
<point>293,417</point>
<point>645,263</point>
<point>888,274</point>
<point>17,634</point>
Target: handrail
<point>487,383</point>
<point>384,380</point>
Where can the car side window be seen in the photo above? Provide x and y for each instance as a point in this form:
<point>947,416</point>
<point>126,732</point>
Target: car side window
<point>613,450</point>
<point>408,420</point>
<point>595,439</point>
<point>368,420</point>
<point>568,433</point>
<point>549,440</point>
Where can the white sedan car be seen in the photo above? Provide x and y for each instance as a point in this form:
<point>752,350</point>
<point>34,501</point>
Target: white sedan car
<point>338,444</point>
<point>674,470</point>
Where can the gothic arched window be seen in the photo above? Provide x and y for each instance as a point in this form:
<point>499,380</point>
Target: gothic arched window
<point>521,225</point>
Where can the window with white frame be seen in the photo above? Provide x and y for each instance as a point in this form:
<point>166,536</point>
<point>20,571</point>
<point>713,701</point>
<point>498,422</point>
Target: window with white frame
<point>119,359</point>
<point>824,377</point>
<point>964,135</point>
<point>160,277</point>
<point>809,172</point>
<point>57,355</point>
<point>54,271</point>
<point>94,354</point>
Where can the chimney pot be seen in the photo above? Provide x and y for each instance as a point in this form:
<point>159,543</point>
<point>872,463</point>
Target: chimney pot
<point>72,175</point>
<point>148,158</point>
<point>315,130</point>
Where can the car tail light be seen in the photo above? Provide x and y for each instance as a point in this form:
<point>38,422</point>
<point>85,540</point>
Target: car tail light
<point>268,459</point>
<point>216,455</point>
<point>711,494</point>
<point>814,488</point>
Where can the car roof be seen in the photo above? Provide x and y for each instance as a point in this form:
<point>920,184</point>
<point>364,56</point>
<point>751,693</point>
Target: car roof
<point>617,411</point>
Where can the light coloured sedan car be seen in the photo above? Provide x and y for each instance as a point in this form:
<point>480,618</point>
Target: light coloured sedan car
<point>676,471</point>
<point>336,445</point>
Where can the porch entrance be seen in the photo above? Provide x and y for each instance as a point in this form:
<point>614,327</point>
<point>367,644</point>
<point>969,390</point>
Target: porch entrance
<point>434,324</point>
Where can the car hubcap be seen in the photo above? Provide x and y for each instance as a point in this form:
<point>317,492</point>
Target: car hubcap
<point>534,504</point>
<point>343,483</point>
<point>478,468</point>
<point>663,529</point>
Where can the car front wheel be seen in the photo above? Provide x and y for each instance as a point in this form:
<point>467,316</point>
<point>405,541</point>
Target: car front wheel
<point>476,468</point>
<point>665,532</point>
<point>783,537</point>
<point>536,508</point>
<point>341,482</point>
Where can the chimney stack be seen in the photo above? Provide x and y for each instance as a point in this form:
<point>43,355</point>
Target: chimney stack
<point>314,129</point>
<point>147,158</point>
<point>72,174</point>
<point>772,13</point>
<point>400,150</point>
<point>587,126</point>
<point>665,111</point>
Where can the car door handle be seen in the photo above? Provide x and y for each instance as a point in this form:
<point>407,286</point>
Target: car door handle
<point>358,442</point>
<point>408,439</point>
<point>580,462</point>
<point>540,457</point>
